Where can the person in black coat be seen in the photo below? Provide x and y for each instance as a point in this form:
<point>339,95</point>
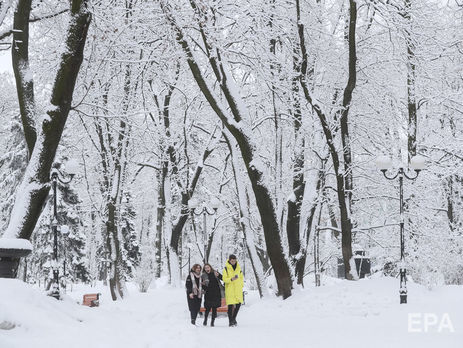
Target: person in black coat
<point>213,292</point>
<point>194,291</point>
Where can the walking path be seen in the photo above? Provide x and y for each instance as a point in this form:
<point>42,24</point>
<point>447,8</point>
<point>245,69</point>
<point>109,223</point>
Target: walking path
<point>341,314</point>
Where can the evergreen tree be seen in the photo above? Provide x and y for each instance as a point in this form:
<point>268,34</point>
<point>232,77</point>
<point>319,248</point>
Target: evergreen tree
<point>131,250</point>
<point>71,239</point>
<point>40,261</point>
<point>73,243</point>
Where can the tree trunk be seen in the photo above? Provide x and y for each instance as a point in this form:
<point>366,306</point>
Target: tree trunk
<point>34,188</point>
<point>214,226</point>
<point>22,73</point>
<point>168,157</point>
<point>238,130</point>
<point>278,150</point>
<point>185,211</point>
<point>161,210</point>
<point>116,276</point>
<point>344,178</point>
<point>244,216</point>
<point>411,77</point>
<point>313,200</point>
<point>293,225</point>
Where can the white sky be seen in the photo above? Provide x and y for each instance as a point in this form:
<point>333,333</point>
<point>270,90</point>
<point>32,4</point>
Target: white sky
<point>5,61</point>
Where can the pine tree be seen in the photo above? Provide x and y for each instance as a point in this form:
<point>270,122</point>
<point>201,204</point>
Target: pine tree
<point>71,240</point>
<point>40,261</point>
<point>73,244</point>
<point>131,250</point>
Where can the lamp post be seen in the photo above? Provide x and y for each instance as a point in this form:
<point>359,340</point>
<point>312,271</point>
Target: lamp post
<point>189,246</point>
<point>64,232</point>
<point>193,205</point>
<point>384,164</point>
<point>316,255</point>
<point>71,169</point>
<point>244,256</point>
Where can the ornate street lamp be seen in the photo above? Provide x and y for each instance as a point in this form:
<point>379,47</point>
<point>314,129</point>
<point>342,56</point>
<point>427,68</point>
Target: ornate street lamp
<point>417,163</point>
<point>189,246</point>
<point>71,170</point>
<point>193,205</point>
<point>64,232</point>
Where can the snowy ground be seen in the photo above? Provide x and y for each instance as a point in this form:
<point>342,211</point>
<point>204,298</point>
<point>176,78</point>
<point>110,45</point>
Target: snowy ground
<point>340,314</point>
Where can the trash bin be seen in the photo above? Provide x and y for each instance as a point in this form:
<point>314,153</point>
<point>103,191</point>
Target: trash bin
<point>362,264</point>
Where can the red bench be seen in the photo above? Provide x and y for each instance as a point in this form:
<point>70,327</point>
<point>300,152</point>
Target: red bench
<point>222,309</point>
<point>91,300</point>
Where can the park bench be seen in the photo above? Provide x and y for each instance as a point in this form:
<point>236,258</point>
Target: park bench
<point>223,306</point>
<point>91,300</point>
<point>222,309</point>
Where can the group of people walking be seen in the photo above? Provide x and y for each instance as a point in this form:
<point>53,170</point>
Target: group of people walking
<point>209,284</point>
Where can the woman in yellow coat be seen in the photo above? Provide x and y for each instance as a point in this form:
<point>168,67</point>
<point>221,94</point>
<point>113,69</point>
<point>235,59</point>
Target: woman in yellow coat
<point>234,281</point>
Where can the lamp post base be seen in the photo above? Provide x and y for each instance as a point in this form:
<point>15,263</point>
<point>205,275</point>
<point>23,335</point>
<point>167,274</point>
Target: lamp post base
<point>54,292</point>
<point>403,299</point>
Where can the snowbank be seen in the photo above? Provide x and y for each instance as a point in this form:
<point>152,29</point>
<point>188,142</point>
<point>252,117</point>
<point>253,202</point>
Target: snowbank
<point>365,313</point>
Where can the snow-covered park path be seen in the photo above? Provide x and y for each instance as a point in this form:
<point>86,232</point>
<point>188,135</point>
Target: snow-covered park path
<point>340,314</point>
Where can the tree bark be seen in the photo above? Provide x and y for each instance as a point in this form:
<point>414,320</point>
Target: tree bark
<point>160,217</point>
<point>278,151</point>
<point>116,276</point>
<point>22,73</point>
<point>411,77</point>
<point>35,186</point>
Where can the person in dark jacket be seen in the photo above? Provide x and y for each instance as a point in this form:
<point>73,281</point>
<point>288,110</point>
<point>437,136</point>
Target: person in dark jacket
<point>194,291</point>
<point>213,292</point>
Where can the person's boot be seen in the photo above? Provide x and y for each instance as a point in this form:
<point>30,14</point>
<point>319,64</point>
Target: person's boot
<point>193,321</point>
<point>235,313</point>
<point>213,319</point>
<point>205,321</point>
<point>230,315</point>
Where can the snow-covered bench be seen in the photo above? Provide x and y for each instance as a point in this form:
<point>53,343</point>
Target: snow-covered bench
<point>91,300</point>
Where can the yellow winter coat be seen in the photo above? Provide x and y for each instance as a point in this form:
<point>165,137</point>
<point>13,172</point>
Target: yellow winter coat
<point>233,288</point>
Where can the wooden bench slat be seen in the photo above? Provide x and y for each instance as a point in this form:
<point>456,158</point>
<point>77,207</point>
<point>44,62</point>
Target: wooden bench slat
<point>91,300</point>
<point>222,309</point>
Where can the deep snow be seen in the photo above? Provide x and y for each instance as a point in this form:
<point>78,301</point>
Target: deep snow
<point>364,313</point>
